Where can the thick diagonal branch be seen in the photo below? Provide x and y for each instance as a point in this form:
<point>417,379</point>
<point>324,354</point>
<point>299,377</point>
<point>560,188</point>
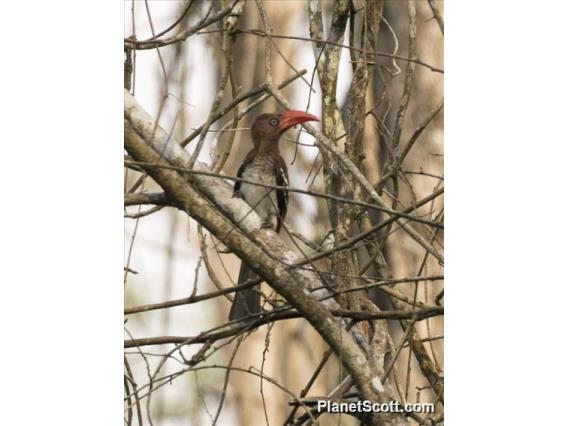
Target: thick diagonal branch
<point>209,201</point>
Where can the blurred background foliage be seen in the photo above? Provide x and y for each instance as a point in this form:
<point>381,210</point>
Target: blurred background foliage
<point>177,85</point>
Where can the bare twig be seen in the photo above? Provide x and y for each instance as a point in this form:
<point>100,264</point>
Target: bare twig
<point>154,43</point>
<point>437,15</point>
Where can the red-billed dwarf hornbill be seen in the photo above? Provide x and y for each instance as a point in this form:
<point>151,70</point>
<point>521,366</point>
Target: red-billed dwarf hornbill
<point>263,164</point>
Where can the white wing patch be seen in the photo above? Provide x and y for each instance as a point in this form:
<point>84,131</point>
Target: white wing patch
<point>283,176</point>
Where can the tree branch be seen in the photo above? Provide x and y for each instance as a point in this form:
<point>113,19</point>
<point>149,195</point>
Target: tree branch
<point>209,201</point>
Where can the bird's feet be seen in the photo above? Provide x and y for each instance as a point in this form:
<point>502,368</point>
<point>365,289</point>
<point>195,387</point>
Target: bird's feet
<point>267,225</point>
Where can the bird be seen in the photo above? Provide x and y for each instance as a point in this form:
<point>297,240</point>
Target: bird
<point>265,165</point>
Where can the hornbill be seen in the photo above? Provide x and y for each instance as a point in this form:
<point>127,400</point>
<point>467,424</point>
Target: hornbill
<point>263,164</point>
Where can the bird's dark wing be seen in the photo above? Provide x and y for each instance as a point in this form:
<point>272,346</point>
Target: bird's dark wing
<point>281,195</point>
<point>248,158</point>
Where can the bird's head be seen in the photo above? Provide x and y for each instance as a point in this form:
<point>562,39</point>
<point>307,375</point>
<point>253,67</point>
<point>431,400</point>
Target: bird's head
<point>269,127</point>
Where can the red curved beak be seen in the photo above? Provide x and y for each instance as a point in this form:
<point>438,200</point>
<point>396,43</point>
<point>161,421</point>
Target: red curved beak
<point>293,117</point>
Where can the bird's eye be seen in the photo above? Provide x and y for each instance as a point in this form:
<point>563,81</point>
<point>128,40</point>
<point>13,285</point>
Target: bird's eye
<point>273,121</point>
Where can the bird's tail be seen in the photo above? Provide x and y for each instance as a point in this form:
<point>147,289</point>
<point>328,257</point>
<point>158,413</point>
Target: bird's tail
<point>246,301</point>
